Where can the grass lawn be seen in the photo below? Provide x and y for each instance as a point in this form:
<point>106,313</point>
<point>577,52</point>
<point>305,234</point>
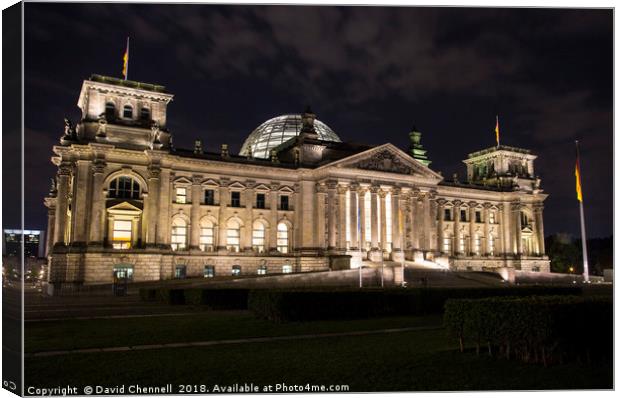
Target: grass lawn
<point>408,361</point>
<point>212,325</point>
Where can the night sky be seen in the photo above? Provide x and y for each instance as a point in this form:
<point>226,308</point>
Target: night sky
<point>370,73</point>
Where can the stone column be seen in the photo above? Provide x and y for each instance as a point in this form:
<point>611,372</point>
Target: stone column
<point>457,227</point>
<point>440,209</point>
<point>50,203</point>
<point>194,242</point>
<point>331,210</point>
<point>487,237</point>
<point>396,232</point>
<point>433,221</point>
<point>62,198</point>
<point>472,228</point>
<point>153,205</point>
<point>97,210</point>
<point>413,210</point>
<point>273,217</point>
<point>224,199</point>
<point>321,196</point>
<point>374,218</point>
<point>382,195</point>
<point>501,243</point>
<point>540,232</point>
<point>426,211</point>
<point>342,217</point>
<point>361,203</point>
<point>353,245</point>
<point>508,235</point>
<point>248,219</point>
<point>163,231</point>
<point>80,206</point>
<point>516,208</point>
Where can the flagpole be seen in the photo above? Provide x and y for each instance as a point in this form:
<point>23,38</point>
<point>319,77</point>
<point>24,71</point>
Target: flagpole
<point>584,247</point>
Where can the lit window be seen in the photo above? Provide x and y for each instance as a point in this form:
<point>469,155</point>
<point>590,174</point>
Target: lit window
<point>206,235</point>
<point>233,236</point>
<point>123,272</point>
<point>282,238</point>
<point>236,270</point>
<point>209,197</point>
<point>287,268</point>
<point>476,244</point>
<point>179,234</point>
<point>447,244</point>
<point>262,270</point>
<point>181,195</point>
<point>258,237</point>
<point>235,199</point>
<point>283,202</point>
<point>124,188</point>
<point>127,112</point>
<point>492,217</point>
<point>209,271</point>
<point>491,245</point>
<point>462,240</point>
<point>121,234</point>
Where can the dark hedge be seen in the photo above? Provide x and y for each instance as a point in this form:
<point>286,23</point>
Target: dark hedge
<point>302,305</point>
<point>545,329</point>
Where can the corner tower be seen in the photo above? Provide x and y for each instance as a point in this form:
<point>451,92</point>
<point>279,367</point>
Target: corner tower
<point>123,113</point>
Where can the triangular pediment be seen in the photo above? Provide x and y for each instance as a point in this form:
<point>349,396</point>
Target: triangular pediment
<point>386,158</point>
<point>236,185</point>
<point>210,183</point>
<point>261,187</point>
<point>182,181</point>
<point>124,208</point>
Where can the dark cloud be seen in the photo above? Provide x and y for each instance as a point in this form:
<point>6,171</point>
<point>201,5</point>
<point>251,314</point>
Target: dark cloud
<point>369,72</point>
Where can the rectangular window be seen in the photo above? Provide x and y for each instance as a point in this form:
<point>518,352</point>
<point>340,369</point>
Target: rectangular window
<point>283,202</point>
<point>258,240</point>
<point>236,270</point>
<point>233,238</point>
<point>180,272</point>
<point>121,234</point>
<point>209,197</point>
<point>492,217</point>
<point>260,200</point>
<point>447,215</point>
<point>209,271</point>
<point>478,216</point>
<point>447,244</point>
<point>181,195</point>
<point>235,199</point>
<point>463,215</point>
<point>491,247</point>
<point>287,269</point>
<point>477,244</point>
<point>206,239</point>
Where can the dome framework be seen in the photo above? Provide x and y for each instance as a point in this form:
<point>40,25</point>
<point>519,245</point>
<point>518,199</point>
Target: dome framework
<point>279,129</point>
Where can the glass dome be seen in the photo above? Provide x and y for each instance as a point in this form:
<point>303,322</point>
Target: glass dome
<point>275,131</point>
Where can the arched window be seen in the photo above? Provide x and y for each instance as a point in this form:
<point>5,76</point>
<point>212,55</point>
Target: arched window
<point>209,271</point>
<point>128,112</point>
<point>206,235</point>
<point>282,241</point>
<point>236,270</point>
<point>124,188</point>
<point>258,236</point>
<point>110,111</point>
<point>262,270</point>
<point>233,235</point>
<point>145,114</point>
<point>179,234</point>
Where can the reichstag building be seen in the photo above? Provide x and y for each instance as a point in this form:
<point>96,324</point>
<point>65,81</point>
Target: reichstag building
<point>126,202</point>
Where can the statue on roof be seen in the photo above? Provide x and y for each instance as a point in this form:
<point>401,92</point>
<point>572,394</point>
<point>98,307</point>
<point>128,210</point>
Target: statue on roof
<point>416,149</point>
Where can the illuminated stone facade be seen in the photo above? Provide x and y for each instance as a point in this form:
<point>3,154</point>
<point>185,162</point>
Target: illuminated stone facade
<point>126,201</point>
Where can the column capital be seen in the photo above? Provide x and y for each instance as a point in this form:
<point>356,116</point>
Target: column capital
<point>374,189</point>
<point>396,190</point>
<point>456,203</point>
<point>361,190</point>
<point>487,205</point>
<point>274,185</point>
<point>342,189</point>
<point>321,188</point>
<point>472,204</point>
<point>98,166</point>
<point>196,179</point>
<point>354,186</point>
<point>382,193</point>
<point>332,184</point>
<point>250,184</point>
<point>65,168</point>
<point>154,171</point>
<point>538,206</point>
<point>441,201</point>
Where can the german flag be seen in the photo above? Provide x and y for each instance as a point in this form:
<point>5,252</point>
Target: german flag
<point>497,129</point>
<point>578,179</point>
<point>126,61</point>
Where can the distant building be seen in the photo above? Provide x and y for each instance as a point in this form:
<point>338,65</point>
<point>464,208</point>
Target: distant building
<point>126,201</point>
<point>34,243</point>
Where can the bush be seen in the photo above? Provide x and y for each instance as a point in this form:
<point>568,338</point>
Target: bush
<point>542,329</point>
<point>303,305</point>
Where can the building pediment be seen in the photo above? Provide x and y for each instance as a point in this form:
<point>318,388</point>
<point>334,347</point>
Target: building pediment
<point>387,159</point>
<point>124,208</point>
